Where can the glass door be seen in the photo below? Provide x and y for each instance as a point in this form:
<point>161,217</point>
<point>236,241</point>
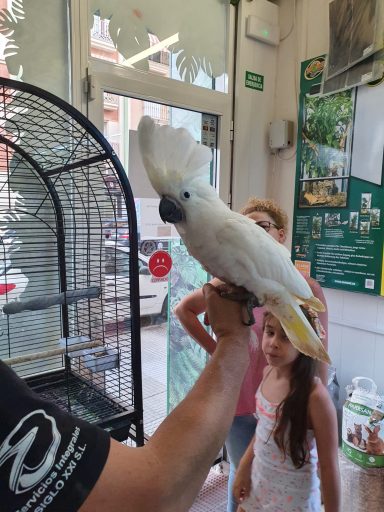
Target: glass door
<point>134,71</point>
<point>171,361</point>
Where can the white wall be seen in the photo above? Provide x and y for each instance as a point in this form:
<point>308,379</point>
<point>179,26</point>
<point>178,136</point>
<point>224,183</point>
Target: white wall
<point>308,38</point>
<point>253,112</point>
<point>356,321</point>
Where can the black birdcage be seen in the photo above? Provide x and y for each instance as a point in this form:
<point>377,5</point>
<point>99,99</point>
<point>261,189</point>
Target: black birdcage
<point>62,328</point>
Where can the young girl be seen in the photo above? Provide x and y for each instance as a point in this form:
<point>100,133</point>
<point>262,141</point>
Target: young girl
<point>278,472</point>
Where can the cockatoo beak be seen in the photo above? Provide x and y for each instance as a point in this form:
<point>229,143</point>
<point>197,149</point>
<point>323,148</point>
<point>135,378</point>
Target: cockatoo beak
<point>170,211</point>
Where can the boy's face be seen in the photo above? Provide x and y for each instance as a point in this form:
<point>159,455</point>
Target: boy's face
<point>276,346</point>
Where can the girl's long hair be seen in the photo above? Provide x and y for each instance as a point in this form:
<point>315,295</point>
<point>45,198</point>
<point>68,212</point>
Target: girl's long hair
<point>292,412</point>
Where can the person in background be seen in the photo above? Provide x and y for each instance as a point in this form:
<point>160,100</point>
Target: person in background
<point>296,428</point>
<point>268,215</point>
<point>51,461</point>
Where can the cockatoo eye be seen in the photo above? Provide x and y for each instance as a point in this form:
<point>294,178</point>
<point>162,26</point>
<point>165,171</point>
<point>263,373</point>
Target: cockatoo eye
<point>185,194</point>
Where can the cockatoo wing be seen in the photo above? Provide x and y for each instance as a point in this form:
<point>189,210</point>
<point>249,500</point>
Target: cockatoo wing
<point>264,267</point>
<point>263,255</point>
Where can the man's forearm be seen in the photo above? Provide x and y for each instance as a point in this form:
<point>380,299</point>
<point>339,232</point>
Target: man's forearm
<point>166,474</point>
<point>214,399</point>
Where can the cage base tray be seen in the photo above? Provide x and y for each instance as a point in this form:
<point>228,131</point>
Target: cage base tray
<point>83,400</point>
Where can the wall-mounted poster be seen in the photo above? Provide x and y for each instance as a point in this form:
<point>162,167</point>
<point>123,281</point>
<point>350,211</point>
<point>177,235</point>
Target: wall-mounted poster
<point>337,232</point>
<point>325,149</point>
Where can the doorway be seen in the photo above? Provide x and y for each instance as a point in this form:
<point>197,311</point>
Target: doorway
<point>170,361</point>
<point>191,92</point>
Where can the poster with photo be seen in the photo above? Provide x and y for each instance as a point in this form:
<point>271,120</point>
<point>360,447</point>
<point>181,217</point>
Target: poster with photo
<point>375,217</point>
<point>366,200</point>
<point>317,222</point>
<point>325,142</point>
<point>353,221</point>
<point>337,231</point>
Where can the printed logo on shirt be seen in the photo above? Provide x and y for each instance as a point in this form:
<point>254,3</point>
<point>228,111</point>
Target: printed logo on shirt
<point>35,429</point>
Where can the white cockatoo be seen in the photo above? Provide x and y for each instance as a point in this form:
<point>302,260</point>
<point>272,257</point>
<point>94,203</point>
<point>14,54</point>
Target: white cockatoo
<point>229,245</point>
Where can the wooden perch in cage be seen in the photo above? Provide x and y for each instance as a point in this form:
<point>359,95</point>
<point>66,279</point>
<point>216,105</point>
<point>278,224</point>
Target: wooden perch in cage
<point>93,292</point>
<point>44,354</point>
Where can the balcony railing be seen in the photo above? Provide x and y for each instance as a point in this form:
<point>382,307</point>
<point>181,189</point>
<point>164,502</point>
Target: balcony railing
<point>156,111</point>
<point>100,30</point>
<point>111,101</point>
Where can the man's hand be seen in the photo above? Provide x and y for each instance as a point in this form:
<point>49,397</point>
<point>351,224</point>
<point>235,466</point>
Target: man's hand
<point>225,316</point>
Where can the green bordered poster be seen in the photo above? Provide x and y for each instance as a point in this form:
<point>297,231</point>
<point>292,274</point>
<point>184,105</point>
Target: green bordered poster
<point>339,196</point>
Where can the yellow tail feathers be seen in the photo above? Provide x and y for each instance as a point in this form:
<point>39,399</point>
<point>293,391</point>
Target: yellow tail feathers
<point>315,304</point>
<point>300,332</point>
<point>312,302</point>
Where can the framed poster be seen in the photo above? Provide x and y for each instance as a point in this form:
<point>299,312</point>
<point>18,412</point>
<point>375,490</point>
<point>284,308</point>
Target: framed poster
<point>338,218</point>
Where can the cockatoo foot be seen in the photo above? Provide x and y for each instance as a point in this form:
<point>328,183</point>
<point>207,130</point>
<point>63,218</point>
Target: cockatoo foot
<point>251,302</point>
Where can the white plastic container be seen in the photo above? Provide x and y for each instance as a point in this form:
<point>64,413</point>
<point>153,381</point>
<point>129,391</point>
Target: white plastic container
<point>361,443</point>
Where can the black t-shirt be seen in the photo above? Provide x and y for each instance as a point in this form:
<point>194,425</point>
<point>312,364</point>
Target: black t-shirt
<point>49,460</point>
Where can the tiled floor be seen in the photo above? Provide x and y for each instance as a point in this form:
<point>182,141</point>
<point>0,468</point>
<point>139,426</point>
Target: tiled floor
<point>213,495</point>
<point>154,372</point>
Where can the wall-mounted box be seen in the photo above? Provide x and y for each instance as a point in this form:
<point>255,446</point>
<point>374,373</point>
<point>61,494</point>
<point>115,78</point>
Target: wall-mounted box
<point>263,25</point>
<point>280,134</point>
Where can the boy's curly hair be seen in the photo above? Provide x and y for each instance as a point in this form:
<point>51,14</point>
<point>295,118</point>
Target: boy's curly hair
<point>277,214</point>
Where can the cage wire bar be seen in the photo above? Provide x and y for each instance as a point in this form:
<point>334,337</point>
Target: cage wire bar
<point>59,325</point>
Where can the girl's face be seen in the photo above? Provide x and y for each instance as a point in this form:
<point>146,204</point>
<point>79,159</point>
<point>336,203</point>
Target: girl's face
<point>265,221</point>
<point>277,348</point>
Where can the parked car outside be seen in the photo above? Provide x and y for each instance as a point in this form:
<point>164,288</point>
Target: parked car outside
<point>120,235</point>
<point>153,291</point>
<point>117,231</point>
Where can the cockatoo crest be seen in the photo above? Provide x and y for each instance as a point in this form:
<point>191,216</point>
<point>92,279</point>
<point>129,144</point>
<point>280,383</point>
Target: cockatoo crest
<point>171,156</point>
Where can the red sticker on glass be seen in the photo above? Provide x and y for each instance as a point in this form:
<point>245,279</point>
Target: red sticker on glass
<point>160,263</point>
<point>6,288</point>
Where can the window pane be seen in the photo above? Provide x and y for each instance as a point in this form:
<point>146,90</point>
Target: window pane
<point>182,40</point>
<point>34,43</point>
